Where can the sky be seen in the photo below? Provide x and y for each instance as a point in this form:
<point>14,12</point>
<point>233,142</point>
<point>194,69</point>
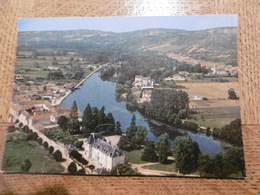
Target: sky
<point>126,24</point>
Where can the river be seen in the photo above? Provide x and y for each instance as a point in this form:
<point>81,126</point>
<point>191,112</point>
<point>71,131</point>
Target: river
<point>102,93</point>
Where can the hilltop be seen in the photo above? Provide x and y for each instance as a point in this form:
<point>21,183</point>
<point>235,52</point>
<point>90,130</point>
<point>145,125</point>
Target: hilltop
<point>218,45</point>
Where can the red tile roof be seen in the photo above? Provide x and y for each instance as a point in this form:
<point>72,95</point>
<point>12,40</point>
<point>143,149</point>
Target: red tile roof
<point>39,117</point>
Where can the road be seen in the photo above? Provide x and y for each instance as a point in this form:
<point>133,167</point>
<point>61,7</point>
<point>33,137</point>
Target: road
<point>147,171</point>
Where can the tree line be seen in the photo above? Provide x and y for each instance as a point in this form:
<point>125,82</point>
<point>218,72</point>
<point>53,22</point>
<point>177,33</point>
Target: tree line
<point>94,120</point>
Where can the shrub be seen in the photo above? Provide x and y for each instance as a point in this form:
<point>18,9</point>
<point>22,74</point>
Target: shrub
<point>78,144</point>
<point>91,167</point>
<point>25,128</point>
<point>45,145</point>
<point>75,154</point>
<point>57,156</point>
<point>83,161</point>
<point>51,149</point>
<point>34,136</point>
<point>26,165</point>
<point>72,168</point>
<point>81,171</point>
<point>39,140</point>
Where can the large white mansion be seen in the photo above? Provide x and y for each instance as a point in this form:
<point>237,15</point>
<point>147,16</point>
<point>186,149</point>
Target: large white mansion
<point>107,155</point>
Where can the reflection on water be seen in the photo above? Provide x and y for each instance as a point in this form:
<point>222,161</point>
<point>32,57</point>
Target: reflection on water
<point>102,93</point>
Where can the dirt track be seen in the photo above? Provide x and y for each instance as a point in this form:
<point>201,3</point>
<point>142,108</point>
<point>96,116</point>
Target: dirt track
<point>157,172</point>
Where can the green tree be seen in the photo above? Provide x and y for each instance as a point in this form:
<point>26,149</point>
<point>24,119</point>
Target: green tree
<point>186,153</point>
<point>51,149</point>
<point>130,132</point>
<point>234,161</point>
<point>34,136</point>
<point>72,168</point>
<point>178,122</point>
<point>118,130</point>
<point>57,156</point>
<point>163,147</point>
<point>149,153</point>
<point>45,145</point>
<point>74,111</point>
<point>101,116</point>
<point>62,122</point>
<point>73,124</point>
<point>218,166</point>
<point>140,136</point>
<point>39,140</point>
<point>124,144</point>
<point>78,144</point>
<point>87,119</point>
<point>206,165</point>
<point>123,169</point>
<point>26,165</point>
<point>81,171</point>
<point>94,122</point>
<point>232,94</point>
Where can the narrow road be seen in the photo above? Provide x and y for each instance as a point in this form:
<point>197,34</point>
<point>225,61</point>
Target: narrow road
<point>147,171</point>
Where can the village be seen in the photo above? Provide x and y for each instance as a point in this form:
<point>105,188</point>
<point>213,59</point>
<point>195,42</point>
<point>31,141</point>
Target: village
<point>38,107</point>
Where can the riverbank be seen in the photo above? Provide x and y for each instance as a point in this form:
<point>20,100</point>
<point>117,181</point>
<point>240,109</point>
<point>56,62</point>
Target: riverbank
<point>58,101</point>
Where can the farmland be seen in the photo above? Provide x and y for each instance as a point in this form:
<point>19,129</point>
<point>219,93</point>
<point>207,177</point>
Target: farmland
<point>210,90</point>
<point>38,68</point>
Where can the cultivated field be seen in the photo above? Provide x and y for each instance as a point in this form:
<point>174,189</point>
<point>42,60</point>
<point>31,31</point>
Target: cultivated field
<point>213,103</point>
<point>210,90</point>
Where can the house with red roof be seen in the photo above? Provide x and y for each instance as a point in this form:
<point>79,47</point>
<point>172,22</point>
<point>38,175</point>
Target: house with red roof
<point>42,119</point>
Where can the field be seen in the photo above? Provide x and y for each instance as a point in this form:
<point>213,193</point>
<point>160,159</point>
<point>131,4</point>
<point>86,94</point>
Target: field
<point>18,151</point>
<point>216,116</point>
<point>210,90</point>
<point>161,167</point>
<point>31,68</point>
<point>213,103</point>
<point>134,157</point>
<point>217,111</point>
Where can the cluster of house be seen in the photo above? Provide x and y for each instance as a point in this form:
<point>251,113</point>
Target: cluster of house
<point>51,91</point>
<point>224,70</point>
<point>217,67</point>
<point>146,84</point>
<point>220,70</point>
<point>34,105</point>
<point>36,113</point>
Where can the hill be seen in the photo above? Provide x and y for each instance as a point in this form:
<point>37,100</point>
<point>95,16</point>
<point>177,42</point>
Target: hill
<point>218,45</point>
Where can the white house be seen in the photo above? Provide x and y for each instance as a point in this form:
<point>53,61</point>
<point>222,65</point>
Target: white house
<point>103,152</point>
<point>141,81</point>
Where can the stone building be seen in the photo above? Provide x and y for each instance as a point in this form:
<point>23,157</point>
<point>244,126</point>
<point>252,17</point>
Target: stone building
<point>107,155</point>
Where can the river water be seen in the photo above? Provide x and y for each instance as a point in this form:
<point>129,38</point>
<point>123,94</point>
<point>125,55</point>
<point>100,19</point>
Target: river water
<point>100,93</point>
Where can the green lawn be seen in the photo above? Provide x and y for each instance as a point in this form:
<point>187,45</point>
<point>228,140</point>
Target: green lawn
<point>213,123</point>
<point>135,156</point>
<point>18,151</point>
<point>209,80</point>
<point>216,116</point>
<point>170,166</point>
